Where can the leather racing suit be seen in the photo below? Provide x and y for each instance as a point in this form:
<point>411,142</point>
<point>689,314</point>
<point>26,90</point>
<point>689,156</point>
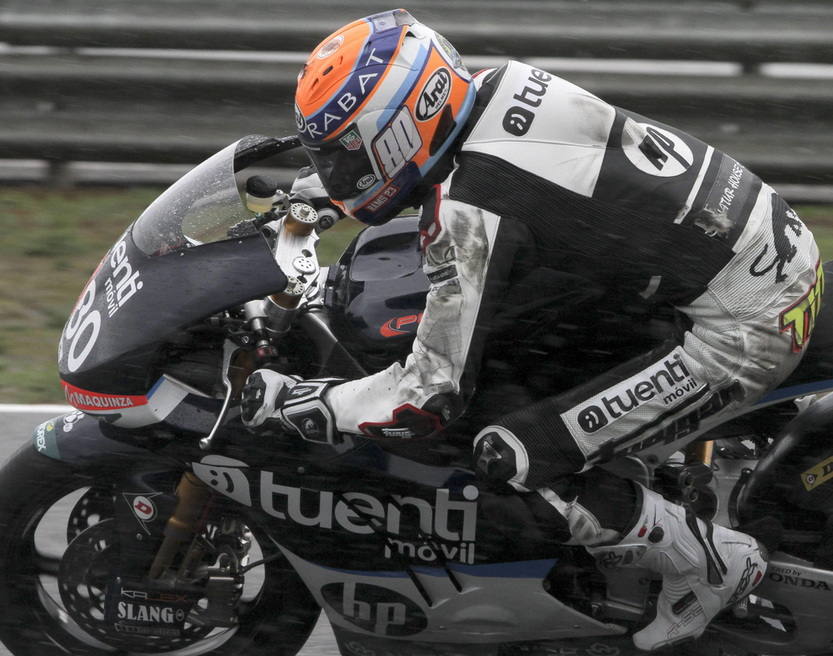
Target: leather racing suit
<point>636,206</point>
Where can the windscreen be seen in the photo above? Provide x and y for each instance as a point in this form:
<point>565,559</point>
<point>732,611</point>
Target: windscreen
<point>197,209</point>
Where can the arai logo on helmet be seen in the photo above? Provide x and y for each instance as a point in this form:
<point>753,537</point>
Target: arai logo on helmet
<point>434,94</point>
<point>366,181</point>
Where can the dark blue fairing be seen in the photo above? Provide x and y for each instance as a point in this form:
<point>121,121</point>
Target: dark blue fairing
<point>191,254</point>
<point>80,440</point>
<point>377,292</point>
<point>134,302</point>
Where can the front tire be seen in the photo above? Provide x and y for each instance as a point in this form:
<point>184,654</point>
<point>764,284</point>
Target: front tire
<point>37,494</point>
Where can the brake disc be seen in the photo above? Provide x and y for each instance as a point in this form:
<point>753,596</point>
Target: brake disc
<point>93,507</point>
<point>140,622</point>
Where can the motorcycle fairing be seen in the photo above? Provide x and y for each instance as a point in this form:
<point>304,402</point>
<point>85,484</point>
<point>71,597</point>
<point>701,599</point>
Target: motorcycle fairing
<point>168,400</point>
<point>84,441</point>
<point>790,392</point>
<point>110,348</point>
<point>375,524</point>
<point>798,598</point>
<point>474,604</point>
<point>377,290</point>
<point>193,252</point>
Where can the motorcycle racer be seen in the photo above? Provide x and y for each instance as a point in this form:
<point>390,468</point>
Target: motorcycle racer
<point>516,169</point>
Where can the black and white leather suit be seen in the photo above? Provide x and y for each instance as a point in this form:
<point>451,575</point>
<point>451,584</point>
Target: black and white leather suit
<point>549,171</point>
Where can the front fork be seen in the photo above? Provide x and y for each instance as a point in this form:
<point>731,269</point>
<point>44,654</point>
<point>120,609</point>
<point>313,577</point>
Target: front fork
<point>690,481</point>
<point>186,521</point>
<point>183,558</point>
<point>701,452</point>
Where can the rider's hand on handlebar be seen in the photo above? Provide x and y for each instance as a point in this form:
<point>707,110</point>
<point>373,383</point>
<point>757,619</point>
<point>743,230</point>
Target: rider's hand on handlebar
<point>263,396</point>
<point>308,188</point>
<point>299,405</point>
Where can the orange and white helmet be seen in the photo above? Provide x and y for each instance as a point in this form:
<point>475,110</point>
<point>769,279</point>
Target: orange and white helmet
<point>378,105</point>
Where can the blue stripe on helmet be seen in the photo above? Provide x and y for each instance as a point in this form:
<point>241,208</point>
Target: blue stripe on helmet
<point>405,88</point>
<point>359,84</point>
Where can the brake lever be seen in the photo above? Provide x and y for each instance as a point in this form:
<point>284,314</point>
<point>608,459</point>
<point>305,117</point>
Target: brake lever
<point>229,349</point>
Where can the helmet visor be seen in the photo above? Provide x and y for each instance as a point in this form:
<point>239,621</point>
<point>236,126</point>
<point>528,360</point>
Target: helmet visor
<point>343,165</point>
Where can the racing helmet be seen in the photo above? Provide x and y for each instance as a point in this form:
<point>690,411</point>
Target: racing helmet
<point>378,106</point>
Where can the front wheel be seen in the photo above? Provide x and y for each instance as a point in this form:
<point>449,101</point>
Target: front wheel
<point>39,574</point>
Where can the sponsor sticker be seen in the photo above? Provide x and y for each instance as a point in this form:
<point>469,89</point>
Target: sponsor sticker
<point>351,141</point>
<point>382,198</point>
<point>44,438</point>
<point>786,229</point>
<point>818,475</point>
<point>147,612</point>
<point>690,422</point>
<point>749,578</point>
<point>798,581</point>
<point>143,507</point>
<point>448,525</point>
<point>660,153</point>
<point>226,476</point>
<point>400,325</point>
<point>434,95</point>
<point>366,181</point>
<point>124,281</point>
<point>800,318</point>
<point>443,274</point>
<point>519,117</point>
<point>375,609</point>
<point>97,402</point>
<point>664,384</point>
<point>355,89</point>
<point>71,419</point>
<point>726,200</point>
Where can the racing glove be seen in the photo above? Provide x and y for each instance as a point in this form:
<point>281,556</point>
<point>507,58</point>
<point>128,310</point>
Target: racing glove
<point>308,188</point>
<point>298,405</point>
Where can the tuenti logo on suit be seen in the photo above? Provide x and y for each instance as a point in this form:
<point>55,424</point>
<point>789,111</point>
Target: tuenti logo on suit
<point>518,119</point>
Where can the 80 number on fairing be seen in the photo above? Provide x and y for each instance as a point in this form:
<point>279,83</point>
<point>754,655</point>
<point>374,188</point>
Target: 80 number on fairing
<point>82,329</point>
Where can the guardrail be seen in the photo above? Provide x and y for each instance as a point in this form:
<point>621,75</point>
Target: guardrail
<point>170,81</point>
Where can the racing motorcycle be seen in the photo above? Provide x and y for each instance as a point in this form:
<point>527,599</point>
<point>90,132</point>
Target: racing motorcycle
<point>150,520</point>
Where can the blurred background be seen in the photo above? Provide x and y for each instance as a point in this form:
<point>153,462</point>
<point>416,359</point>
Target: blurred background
<point>105,102</point>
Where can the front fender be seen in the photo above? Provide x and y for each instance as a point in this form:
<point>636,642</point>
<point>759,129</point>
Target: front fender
<point>82,441</point>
